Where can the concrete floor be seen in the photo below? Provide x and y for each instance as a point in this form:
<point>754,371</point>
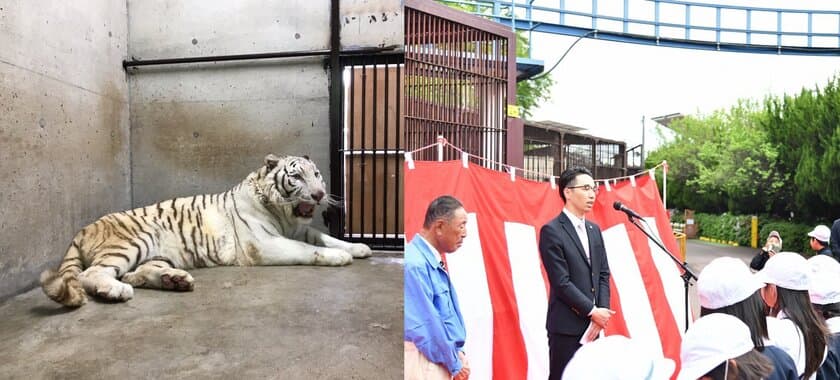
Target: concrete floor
<point>239,323</point>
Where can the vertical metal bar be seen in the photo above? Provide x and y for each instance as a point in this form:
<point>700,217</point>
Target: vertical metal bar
<point>373,152</point>
<point>779,29</point>
<point>477,98</point>
<point>512,14</point>
<point>363,165</point>
<point>594,14</point>
<point>485,117</point>
<point>352,149</point>
<point>459,66</point>
<point>749,26</point>
<point>687,21</point>
<point>500,61</point>
<point>810,27</point>
<point>422,78</point>
<point>397,167</point>
<point>454,101</point>
<point>562,12</point>
<point>625,27</point>
<point>412,80</point>
<point>336,180</point>
<point>445,72</point>
<point>656,20</point>
<point>385,157</point>
<point>490,130</point>
<point>529,15</point>
<point>433,70</point>
<point>408,90</point>
<point>717,25</point>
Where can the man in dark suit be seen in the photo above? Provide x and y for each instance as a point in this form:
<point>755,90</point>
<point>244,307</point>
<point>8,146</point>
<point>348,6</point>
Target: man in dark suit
<point>572,252</point>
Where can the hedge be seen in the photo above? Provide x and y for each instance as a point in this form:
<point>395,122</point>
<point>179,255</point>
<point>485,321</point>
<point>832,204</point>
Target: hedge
<point>737,228</point>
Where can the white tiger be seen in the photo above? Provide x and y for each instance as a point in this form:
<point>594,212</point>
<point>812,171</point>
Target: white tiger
<point>264,220</point>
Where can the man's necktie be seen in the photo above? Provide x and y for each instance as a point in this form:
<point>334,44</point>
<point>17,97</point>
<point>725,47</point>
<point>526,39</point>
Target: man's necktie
<point>584,242</point>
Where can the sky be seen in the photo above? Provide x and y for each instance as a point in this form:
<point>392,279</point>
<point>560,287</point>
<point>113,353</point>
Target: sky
<point>608,87</point>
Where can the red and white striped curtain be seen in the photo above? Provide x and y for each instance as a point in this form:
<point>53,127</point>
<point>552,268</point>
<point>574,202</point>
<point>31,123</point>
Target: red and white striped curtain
<point>502,286</point>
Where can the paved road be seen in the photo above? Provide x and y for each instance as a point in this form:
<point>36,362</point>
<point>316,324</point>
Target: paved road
<point>700,253</point>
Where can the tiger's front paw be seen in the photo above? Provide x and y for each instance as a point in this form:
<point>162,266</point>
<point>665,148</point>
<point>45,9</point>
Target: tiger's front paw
<point>114,291</point>
<point>359,250</point>
<point>332,257</point>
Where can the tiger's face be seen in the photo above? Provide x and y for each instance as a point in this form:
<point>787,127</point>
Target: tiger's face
<point>294,185</point>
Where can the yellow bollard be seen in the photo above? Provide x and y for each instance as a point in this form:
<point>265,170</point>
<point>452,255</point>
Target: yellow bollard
<point>681,242</point>
<point>754,237</point>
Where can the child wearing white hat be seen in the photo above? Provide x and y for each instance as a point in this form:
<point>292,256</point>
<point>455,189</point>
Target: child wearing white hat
<point>719,346</point>
<point>820,237</point>
<point>626,359</point>
<point>727,286</point>
<point>825,296</point>
<point>792,323</point>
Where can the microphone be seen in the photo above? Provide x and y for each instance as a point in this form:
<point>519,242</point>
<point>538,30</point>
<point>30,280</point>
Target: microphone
<point>620,207</point>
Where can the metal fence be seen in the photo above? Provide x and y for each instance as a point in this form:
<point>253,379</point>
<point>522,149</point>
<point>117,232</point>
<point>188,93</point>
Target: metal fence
<point>456,83</point>
<point>551,149</point>
<point>372,153</point>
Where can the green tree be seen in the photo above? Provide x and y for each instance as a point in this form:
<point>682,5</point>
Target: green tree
<point>723,162</point>
<point>806,129</point>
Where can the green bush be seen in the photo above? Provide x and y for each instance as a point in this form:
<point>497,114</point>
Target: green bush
<point>738,228</point>
<point>794,235</point>
<point>725,227</point>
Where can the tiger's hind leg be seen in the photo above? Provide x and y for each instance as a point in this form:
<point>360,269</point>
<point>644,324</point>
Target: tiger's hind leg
<point>158,273</point>
<point>101,281</point>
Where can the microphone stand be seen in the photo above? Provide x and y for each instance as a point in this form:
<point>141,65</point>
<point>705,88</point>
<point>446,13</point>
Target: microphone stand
<point>687,273</point>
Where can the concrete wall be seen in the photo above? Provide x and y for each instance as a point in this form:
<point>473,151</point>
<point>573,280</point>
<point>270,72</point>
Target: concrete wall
<point>63,128</point>
<point>201,128</point>
<point>70,153</point>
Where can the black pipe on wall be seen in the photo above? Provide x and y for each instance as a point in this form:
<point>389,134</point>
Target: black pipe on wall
<point>256,56</point>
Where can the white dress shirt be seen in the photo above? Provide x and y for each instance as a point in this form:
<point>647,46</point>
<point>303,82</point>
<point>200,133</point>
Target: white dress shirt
<point>580,228</point>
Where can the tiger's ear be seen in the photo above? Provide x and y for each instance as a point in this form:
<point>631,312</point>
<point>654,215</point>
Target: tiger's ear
<point>306,157</point>
<point>271,161</point>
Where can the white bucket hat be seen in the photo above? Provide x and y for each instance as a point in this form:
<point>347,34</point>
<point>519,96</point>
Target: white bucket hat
<point>710,341</point>
<point>825,288</point>
<point>825,280</point>
<point>626,359</point>
<point>824,264</point>
<point>726,281</point>
<point>788,270</point>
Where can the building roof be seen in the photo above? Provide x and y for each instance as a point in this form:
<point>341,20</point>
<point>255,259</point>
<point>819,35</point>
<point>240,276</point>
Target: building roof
<point>567,129</point>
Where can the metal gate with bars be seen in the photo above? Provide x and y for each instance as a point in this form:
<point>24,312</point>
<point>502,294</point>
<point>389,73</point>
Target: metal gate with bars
<point>372,150</point>
<point>456,81</point>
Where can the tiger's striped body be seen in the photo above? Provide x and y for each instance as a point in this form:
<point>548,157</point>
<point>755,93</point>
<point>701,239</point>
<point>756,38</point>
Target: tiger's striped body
<point>264,220</point>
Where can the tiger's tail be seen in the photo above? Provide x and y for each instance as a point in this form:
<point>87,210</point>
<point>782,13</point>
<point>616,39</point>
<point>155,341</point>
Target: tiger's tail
<point>63,286</point>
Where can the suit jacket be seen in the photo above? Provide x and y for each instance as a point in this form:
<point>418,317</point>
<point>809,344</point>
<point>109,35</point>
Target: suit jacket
<point>576,285</point>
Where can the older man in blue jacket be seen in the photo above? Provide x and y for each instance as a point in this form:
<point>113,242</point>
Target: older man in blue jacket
<point>434,328</point>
